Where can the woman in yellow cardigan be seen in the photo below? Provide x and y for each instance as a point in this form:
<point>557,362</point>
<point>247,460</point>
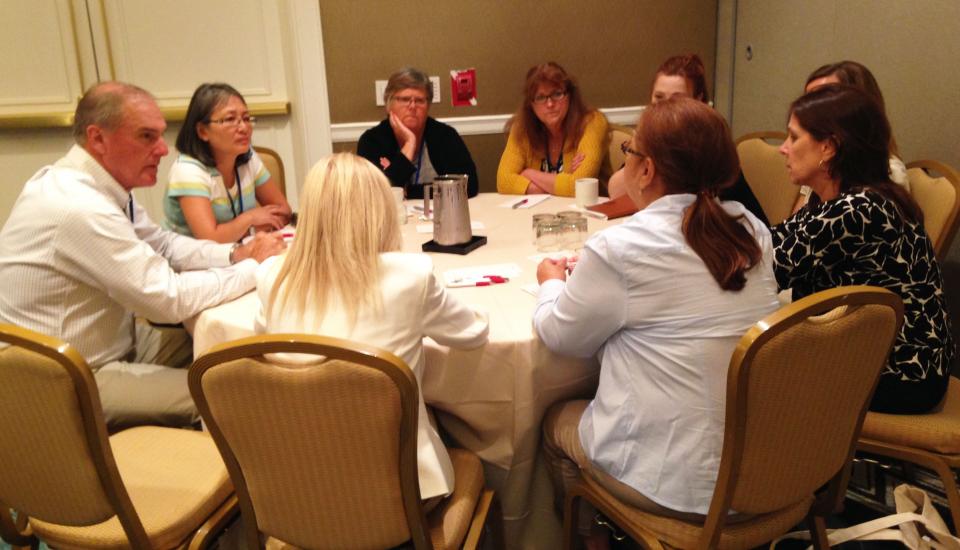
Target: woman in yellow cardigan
<point>554,138</point>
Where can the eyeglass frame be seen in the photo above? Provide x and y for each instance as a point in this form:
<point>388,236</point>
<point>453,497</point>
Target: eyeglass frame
<point>406,101</point>
<point>556,96</point>
<point>238,120</point>
<point>625,149</point>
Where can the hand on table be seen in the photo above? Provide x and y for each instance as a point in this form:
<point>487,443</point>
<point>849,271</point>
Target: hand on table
<point>268,217</point>
<point>552,269</point>
<point>261,247</point>
<point>405,137</point>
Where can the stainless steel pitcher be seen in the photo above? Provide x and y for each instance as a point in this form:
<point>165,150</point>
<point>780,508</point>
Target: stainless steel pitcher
<point>451,213</point>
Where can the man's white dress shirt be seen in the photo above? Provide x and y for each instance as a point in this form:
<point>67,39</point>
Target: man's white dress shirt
<point>74,266</point>
<point>665,331</point>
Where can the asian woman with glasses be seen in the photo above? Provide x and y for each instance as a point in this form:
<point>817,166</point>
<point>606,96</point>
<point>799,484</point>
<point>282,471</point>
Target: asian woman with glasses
<point>554,137</point>
<point>217,181</point>
<point>410,147</point>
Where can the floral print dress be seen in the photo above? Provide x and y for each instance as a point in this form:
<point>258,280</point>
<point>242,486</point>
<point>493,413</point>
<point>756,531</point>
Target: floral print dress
<point>861,238</point>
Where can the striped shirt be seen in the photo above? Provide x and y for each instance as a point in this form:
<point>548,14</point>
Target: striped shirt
<point>191,178</point>
<point>74,265</point>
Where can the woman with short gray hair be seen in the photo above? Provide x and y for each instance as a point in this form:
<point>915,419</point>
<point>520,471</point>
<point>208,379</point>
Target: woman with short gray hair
<point>410,147</point>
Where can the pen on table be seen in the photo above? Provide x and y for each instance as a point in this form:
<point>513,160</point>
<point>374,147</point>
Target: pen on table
<point>518,204</point>
<point>592,214</point>
<point>486,280</point>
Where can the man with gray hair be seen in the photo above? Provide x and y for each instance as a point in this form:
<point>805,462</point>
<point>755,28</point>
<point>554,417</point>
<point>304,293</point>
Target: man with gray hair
<point>79,257</point>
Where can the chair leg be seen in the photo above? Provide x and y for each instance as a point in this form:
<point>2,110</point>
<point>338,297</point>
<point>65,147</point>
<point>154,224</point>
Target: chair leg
<point>949,480</point>
<point>215,524</point>
<point>487,521</point>
<point>571,511</point>
<point>818,532</point>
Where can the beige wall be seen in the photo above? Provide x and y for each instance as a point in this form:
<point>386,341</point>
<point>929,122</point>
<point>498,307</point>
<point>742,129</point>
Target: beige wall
<point>612,47</point>
<point>911,47</point>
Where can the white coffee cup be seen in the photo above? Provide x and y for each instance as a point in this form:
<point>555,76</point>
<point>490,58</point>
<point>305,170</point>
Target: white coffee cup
<point>587,192</point>
<point>401,208</point>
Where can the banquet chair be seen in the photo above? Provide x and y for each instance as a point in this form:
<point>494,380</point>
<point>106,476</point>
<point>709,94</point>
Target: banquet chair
<point>930,440</point>
<point>145,487</point>
<point>798,386</point>
<point>324,455</point>
<point>939,198</point>
<point>274,164</point>
<point>616,134</point>
<point>766,173</point>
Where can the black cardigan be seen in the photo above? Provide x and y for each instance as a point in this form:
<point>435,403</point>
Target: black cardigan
<point>448,155</point>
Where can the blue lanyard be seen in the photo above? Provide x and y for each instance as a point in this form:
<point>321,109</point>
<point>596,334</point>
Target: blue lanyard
<point>236,181</point>
<point>416,178</point>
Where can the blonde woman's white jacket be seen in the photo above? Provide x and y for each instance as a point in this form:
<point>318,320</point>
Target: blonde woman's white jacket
<point>415,305</point>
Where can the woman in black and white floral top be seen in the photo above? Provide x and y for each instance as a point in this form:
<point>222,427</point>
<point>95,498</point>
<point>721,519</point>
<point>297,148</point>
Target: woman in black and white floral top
<point>859,228</point>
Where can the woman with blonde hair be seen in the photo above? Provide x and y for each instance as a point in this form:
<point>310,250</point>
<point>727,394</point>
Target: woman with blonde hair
<point>344,276</point>
<point>554,138</point>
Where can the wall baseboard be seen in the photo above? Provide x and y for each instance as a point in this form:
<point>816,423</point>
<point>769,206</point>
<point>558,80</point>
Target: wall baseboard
<point>348,132</point>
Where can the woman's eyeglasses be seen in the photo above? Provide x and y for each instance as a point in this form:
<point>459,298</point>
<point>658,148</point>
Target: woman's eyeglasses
<point>625,148</point>
<point>234,121</point>
<point>407,100</point>
<point>555,96</point>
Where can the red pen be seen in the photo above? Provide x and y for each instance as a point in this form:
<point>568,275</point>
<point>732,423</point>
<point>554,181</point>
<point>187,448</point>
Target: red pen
<point>490,280</point>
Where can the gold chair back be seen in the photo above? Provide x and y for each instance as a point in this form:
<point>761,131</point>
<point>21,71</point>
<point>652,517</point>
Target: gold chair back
<point>939,198</point>
<point>56,463</point>
<point>274,164</point>
<point>322,455</point>
<point>616,134</point>
<point>764,169</point>
<point>798,388</point>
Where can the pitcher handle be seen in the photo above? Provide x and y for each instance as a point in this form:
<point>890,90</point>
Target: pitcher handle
<point>427,195</point>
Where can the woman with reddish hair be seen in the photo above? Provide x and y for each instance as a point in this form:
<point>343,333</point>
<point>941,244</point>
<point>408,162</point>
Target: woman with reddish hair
<point>663,300</point>
<point>554,138</point>
<point>685,76</point>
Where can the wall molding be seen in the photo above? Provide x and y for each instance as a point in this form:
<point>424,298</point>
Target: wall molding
<point>348,132</point>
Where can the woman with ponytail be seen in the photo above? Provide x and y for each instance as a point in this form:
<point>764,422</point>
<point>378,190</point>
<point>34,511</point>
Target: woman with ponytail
<point>663,300</point>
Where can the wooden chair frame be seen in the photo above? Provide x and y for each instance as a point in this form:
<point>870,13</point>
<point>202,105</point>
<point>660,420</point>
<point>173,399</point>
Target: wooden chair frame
<point>98,443</point>
<point>943,465</point>
<point>767,136</point>
<point>827,499</point>
<point>942,246</point>
<point>333,349</point>
<point>280,178</point>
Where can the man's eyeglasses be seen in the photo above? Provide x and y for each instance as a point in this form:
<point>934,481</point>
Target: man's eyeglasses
<point>555,96</point>
<point>407,100</point>
<point>625,148</point>
<point>234,121</point>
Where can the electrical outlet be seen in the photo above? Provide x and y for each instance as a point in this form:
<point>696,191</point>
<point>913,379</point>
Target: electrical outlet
<point>435,80</point>
<point>379,86</point>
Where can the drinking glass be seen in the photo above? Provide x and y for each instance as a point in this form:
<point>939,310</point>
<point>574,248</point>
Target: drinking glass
<point>573,233</point>
<point>537,220</point>
<point>548,236</point>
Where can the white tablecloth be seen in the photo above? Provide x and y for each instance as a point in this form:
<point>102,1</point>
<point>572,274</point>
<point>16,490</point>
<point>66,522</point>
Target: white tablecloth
<point>489,400</point>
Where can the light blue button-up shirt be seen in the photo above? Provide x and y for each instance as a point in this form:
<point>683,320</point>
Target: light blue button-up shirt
<point>665,331</point>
